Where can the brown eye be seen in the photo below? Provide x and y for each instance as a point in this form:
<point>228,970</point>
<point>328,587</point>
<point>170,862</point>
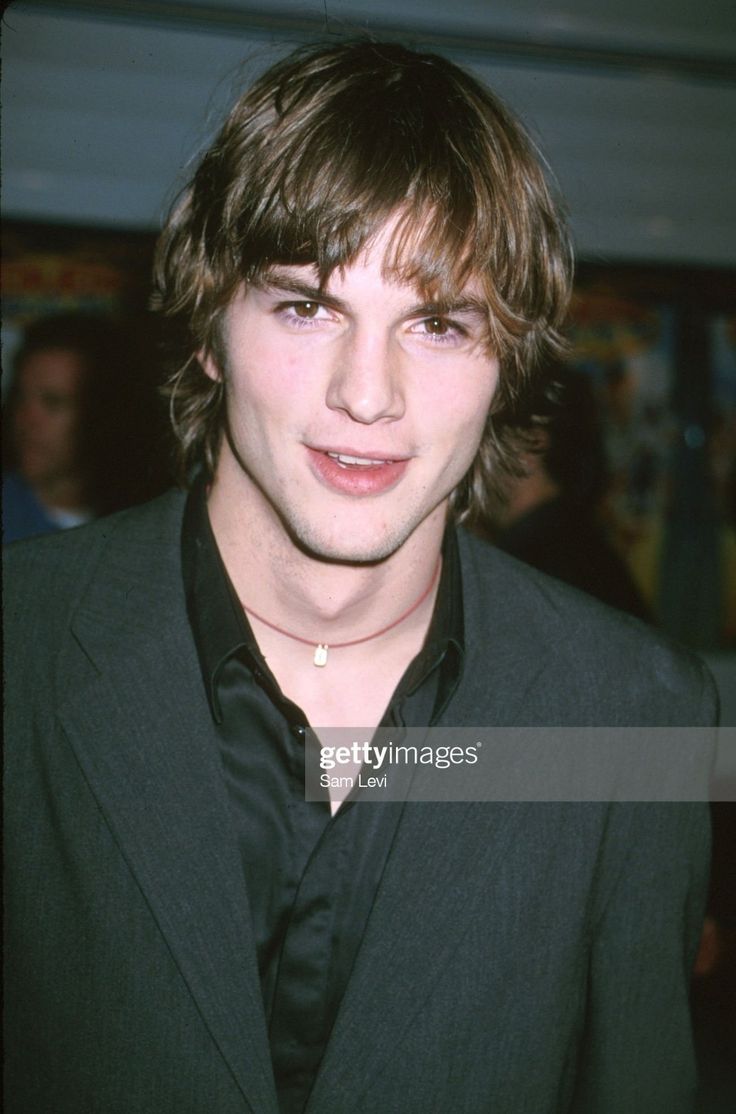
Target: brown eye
<point>436,325</point>
<point>306,309</point>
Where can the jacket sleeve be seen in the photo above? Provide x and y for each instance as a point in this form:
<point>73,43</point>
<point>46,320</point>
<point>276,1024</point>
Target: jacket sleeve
<point>637,1054</point>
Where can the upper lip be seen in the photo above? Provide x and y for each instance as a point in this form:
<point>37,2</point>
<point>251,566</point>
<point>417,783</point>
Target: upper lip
<point>362,454</point>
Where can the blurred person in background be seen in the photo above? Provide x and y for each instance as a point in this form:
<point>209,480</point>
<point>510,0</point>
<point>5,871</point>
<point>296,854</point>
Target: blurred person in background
<point>82,433</point>
<point>47,486</point>
<point>550,515</point>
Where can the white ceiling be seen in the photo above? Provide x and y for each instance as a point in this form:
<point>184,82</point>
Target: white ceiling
<point>103,111</point>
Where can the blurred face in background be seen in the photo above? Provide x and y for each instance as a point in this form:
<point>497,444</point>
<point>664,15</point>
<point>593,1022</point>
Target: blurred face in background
<point>46,420</point>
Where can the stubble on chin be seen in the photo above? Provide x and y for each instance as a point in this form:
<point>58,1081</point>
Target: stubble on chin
<point>335,544</point>
<point>345,550</point>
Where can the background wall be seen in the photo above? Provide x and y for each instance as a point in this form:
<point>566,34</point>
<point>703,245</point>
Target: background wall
<point>634,102</point>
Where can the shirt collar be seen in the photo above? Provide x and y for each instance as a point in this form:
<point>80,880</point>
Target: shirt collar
<point>221,629</point>
<point>444,646</point>
<point>216,616</point>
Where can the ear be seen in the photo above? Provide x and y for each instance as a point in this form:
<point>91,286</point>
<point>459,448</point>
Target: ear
<point>209,365</point>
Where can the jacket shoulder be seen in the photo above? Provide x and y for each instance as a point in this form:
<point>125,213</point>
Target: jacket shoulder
<point>45,576</point>
<point>583,661</point>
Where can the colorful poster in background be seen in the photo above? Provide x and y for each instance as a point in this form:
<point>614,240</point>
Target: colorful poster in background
<point>663,367</point>
<point>628,350</point>
<point>48,269</point>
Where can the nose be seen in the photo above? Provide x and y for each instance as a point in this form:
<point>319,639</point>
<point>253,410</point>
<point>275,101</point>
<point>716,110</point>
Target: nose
<point>29,416</point>
<point>366,380</point>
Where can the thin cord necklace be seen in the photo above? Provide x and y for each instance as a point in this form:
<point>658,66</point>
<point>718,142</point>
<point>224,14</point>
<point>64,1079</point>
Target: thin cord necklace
<point>321,648</point>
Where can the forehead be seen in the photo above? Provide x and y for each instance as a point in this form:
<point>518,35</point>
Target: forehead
<point>58,369</point>
<point>398,259</point>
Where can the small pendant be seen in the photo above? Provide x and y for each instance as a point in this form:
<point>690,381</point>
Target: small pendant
<point>320,654</point>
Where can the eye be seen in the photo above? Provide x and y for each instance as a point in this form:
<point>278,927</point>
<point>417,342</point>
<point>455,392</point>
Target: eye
<point>305,314</point>
<point>306,310</point>
<point>439,330</point>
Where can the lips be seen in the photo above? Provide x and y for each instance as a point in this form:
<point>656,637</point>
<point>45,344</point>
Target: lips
<point>356,474</point>
<point>348,461</point>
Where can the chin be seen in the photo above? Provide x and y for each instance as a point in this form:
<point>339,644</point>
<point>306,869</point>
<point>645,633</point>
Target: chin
<point>347,549</point>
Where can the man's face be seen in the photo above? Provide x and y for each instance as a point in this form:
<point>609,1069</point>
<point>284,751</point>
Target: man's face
<point>45,425</point>
<point>353,413</point>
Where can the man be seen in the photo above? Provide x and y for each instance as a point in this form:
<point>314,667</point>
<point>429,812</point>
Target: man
<point>368,266</point>
<point>81,422</point>
<point>550,516</point>
<point>48,487</point>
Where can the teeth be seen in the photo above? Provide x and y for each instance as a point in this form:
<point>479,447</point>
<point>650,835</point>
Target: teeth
<point>341,458</point>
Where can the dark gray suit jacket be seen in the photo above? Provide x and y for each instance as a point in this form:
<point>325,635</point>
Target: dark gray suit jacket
<point>519,958</point>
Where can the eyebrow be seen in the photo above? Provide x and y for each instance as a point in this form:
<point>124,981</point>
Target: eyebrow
<point>277,280</point>
<point>289,284</point>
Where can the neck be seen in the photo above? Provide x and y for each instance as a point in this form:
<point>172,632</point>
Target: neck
<point>319,598</point>
<point>329,602</point>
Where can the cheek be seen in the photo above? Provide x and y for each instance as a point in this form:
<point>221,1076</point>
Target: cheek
<point>462,406</point>
<point>62,438</point>
<point>59,426</point>
<point>481,398</point>
<point>469,435</point>
<point>262,401</point>
<point>272,382</point>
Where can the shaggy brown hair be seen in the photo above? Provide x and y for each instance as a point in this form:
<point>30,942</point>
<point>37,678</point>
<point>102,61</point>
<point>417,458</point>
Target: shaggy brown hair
<point>313,160</point>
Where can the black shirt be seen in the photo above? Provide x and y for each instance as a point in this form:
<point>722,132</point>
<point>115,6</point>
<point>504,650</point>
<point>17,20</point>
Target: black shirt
<point>311,877</point>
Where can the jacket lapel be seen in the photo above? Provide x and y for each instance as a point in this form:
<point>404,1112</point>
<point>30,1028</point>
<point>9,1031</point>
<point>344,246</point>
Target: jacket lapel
<point>427,900</point>
<point>143,735</point>
<point>429,894</point>
<point>142,732</point>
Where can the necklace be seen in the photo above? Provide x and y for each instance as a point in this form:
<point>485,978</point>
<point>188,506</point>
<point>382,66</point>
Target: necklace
<point>321,648</point>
